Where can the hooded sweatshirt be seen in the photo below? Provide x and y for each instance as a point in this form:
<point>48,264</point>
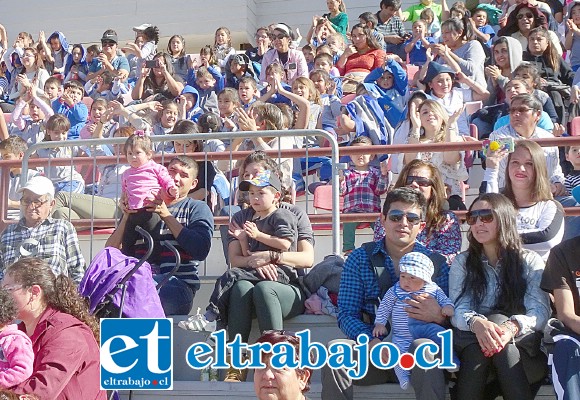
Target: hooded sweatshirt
<point>394,100</point>
<point>195,112</point>
<point>61,56</point>
<point>515,57</point>
<point>83,68</point>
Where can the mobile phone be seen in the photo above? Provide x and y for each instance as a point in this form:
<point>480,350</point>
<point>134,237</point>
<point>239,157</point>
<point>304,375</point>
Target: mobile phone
<point>152,64</point>
<point>489,146</point>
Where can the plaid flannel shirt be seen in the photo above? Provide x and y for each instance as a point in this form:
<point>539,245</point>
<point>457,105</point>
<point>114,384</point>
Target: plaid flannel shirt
<point>362,190</point>
<point>54,240</point>
<point>359,290</point>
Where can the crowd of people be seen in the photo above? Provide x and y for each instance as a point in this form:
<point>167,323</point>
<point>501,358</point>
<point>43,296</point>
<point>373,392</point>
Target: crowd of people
<point>412,281</point>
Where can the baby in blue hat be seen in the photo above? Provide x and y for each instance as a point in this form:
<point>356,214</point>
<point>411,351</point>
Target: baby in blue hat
<point>416,270</point>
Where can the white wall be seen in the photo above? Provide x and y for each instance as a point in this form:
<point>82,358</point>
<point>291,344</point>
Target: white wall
<point>84,21</point>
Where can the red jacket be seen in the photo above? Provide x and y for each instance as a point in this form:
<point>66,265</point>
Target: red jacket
<point>66,360</point>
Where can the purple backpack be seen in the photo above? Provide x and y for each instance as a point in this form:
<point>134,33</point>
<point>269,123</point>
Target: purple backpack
<point>107,269</point>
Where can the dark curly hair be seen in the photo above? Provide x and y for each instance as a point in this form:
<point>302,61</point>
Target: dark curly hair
<point>60,292</point>
<point>8,309</point>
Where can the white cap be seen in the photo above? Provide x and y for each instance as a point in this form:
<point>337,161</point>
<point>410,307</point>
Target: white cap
<point>39,185</point>
<point>141,27</point>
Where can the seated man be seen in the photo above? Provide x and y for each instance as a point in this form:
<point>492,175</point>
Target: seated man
<point>188,225</point>
<point>561,278</point>
<point>368,273</point>
<point>38,235</point>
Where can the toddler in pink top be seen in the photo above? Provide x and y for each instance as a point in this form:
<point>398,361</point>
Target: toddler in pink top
<point>16,354</point>
<point>142,182</point>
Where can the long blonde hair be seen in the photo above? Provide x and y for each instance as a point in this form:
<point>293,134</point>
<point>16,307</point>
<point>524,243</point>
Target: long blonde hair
<point>441,113</point>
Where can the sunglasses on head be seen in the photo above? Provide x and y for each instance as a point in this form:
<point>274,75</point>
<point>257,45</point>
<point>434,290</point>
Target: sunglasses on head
<point>485,215</point>
<point>419,180</point>
<point>526,15</point>
<point>398,215</point>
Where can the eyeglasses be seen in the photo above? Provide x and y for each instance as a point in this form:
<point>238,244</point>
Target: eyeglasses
<point>526,16</point>
<point>520,110</point>
<point>27,55</point>
<point>485,215</point>
<point>397,216</point>
<point>278,36</point>
<point>35,203</point>
<point>419,180</point>
<point>12,288</point>
<point>108,43</point>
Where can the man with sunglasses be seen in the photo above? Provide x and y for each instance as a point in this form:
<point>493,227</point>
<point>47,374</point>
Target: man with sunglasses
<point>368,273</point>
<point>38,235</point>
<point>110,59</point>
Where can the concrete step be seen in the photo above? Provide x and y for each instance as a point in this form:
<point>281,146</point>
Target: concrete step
<point>223,390</point>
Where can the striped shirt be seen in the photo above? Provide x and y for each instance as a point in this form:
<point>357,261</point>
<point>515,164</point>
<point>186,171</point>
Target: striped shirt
<point>392,308</point>
<point>572,180</point>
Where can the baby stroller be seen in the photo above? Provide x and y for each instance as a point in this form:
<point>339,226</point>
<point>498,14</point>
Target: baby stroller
<point>118,286</point>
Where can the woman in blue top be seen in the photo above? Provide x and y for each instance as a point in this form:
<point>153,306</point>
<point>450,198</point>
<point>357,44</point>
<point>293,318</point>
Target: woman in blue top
<point>500,310</point>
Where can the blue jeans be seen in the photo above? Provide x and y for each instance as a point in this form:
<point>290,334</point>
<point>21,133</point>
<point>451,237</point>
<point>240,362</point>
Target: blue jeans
<point>70,186</point>
<point>428,330</point>
<point>565,374</point>
<point>176,296</point>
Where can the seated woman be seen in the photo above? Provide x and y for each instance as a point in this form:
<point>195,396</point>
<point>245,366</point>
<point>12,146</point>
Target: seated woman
<point>522,20</point>
<point>459,51</point>
<point>540,219</point>
<point>431,124</point>
<point>555,72</point>
<point>292,60</point>
<point>359,59</point>
<point>158,83</point>
<point>271,301</point>
<point>500,310</point>
<point>442,230</point>
<point>64,335</point>
<point>506,56</point>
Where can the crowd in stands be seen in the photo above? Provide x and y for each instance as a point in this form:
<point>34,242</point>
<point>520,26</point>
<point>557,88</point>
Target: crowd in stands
<point>377,83</point>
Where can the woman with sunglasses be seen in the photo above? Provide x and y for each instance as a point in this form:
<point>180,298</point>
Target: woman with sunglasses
<point>442,231</point>
<point>500,309</point>
<point>292,60</point>
<point>64,335</point>
<point>540,219</point>
<point>522,20</point>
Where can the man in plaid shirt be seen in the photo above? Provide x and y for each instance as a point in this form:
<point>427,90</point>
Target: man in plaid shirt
<point>37,235</point>
<point>391,27</point>
<point>364,282</point>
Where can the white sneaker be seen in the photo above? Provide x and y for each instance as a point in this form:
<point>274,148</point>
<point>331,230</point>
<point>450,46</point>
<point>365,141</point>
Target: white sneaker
<point>198,323</point>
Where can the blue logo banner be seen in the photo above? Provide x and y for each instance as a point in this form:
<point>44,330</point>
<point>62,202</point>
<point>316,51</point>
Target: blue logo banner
<point>136,354</point>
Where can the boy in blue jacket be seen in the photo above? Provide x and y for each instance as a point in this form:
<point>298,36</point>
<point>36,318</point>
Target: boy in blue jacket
<point>70,105</point>
<point>392,83</point>
<point>188,102</point>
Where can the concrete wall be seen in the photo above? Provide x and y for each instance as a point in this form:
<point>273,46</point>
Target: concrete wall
<point>84,21</point>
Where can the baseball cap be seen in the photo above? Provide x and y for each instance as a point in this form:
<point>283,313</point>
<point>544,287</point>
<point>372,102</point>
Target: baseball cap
<point>240,59</point>
<point>109,35</point>
<point>39,185</point>
<point>418,265</point>
<point>142,27</point>
<point>263,179</point>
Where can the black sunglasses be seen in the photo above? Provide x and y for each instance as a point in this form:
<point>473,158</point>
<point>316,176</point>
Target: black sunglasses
<point>108,43</point>
<point>397,216</point>
<point>485,215</point>
<point>420,180</point>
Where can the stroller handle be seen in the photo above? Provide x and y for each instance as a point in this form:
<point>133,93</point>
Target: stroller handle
<point>147,236</point>
<point>175,268</point>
